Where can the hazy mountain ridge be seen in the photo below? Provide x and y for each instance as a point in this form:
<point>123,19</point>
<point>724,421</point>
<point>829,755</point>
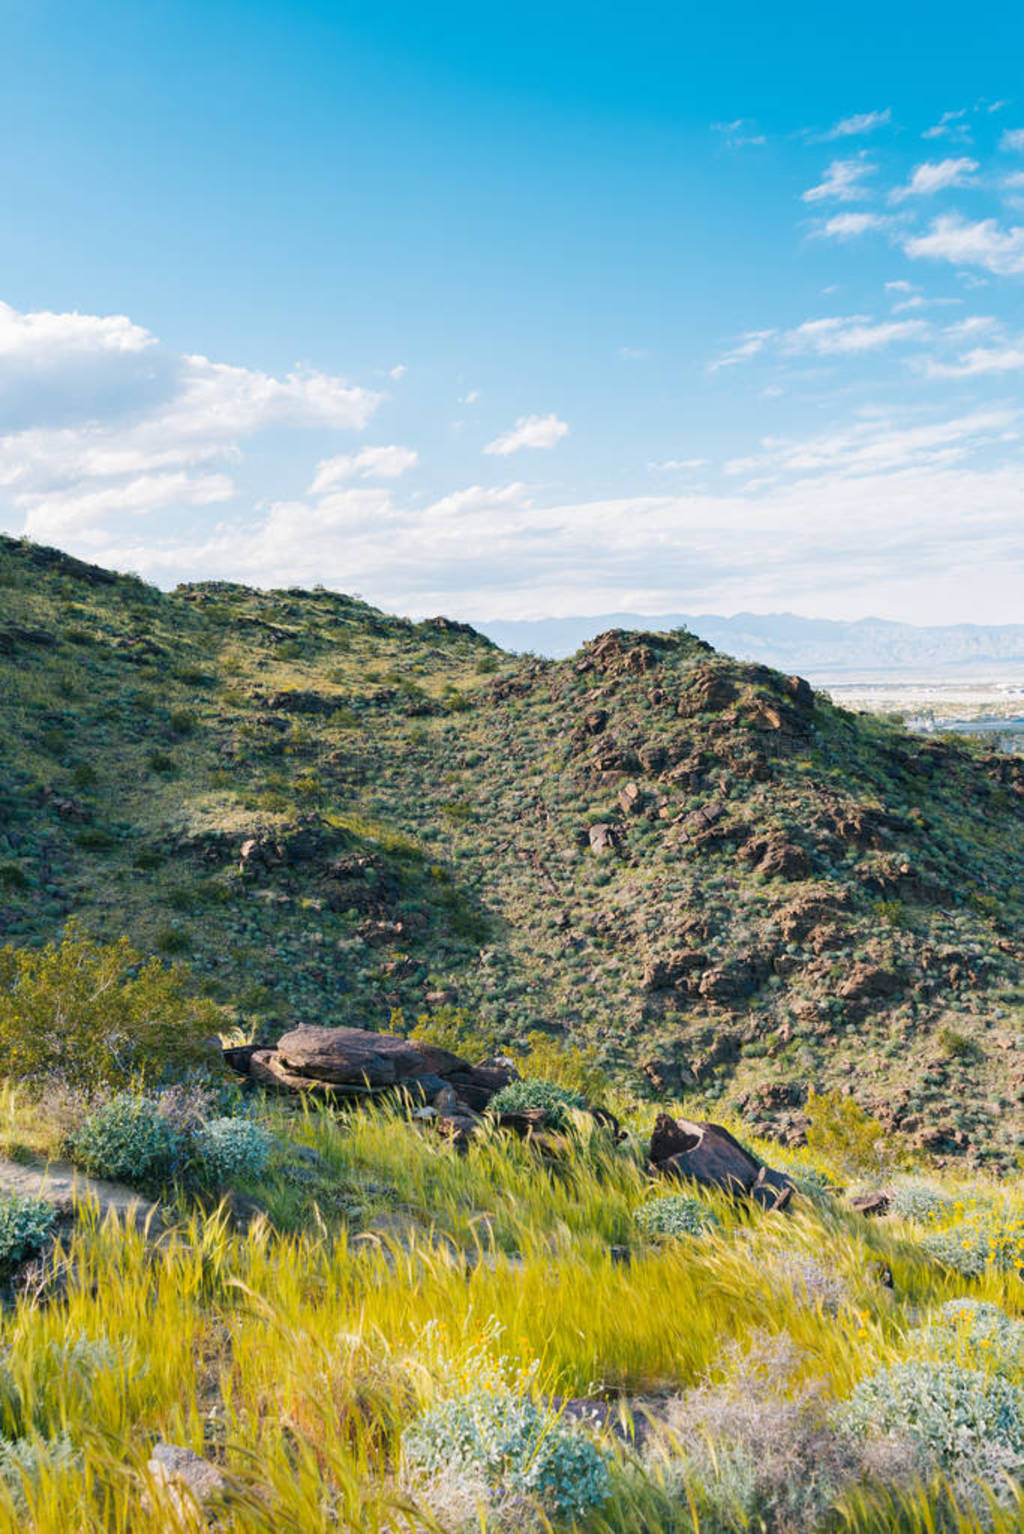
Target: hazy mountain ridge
<point>820,647</point>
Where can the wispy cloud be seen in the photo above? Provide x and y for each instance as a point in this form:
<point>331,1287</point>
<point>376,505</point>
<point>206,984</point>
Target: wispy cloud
<point>368,463</point>
<point>842,181</point>
<point>935,176</point>
<point>860,122</point>
<point>831,336</point>
<point>539,431</point>
<point>850,226</point>
<point>1013,140</point>
<point>983,243</point>
<point>951,125</point>
<point>748,345</point>
<point>740,132</point>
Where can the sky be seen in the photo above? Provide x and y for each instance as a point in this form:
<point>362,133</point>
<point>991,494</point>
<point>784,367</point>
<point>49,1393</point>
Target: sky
<point>526,312</point>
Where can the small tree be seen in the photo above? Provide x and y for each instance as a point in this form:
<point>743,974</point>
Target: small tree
<point>97,1012</point>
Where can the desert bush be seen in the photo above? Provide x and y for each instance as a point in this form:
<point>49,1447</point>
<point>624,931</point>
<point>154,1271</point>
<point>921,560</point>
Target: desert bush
<point>975,1333</point>
<point>844,1136</point>
<point>675,1214</point>
<point>984,1238</point>
<point>917,1201</point>
<point>128,1140</point>
<point>25,1224</point>
<point>755,1450</point>
<point>514,1445</point>
<point>536,1092</point>
<point>97,1012</point>
<point>226,1148</point>
<point>568,1065</point>
<point>968,1423</point>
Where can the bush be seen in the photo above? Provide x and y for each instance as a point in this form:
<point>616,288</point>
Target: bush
<point>843,1135</point>
<point>556,1101</point>
<point>25,1224</point>
<point>974,1333</point>
<point>676,1214</point>
<point>981,1240</point>
<point>128,1140</point>
<point>159,1141</point>
<point>916,1201</point>
<point>97,1013</point>
<point>569,1065</point>
<point>957,1415</point>
<point>227,1148</point>
<point>517,1447</point>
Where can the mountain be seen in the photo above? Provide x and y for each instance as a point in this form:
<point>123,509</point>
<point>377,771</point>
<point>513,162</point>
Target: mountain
<point>823,649</point>
<point>700,867</point>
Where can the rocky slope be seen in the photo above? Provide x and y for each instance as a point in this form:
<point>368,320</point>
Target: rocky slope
<point>730,886</point>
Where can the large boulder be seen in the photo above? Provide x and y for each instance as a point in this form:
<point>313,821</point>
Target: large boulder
<point>712,1157</point>
<point>354,1056</point>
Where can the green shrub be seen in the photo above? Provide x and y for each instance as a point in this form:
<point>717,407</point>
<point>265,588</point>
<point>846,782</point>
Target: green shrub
<point>127,1140</point>
<point>916,1201</point>
<point>25,1224</point>
<point>845,1137</point>
<point>556,1101</point>
<point>974,1333</point>
<point>984,1238</point>
<point>12,877</point>
<point>675,1214</point>
<point>159,761</point>
<point>171,940</point>
<point>227,1148</point>
<point>955,1414</point>
<point>97,1012</point>
<point>569,1065</point>
<point>183,721</point>
<point>518,1447</point>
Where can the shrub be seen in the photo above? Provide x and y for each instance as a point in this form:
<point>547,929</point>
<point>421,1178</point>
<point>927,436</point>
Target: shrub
<point>916,1201</point>
<point>569,1065</point>
<point>982,1239</point>
<point>843,1135</point>
<point>25,1224</point>
<point>25,1461</point>
<point>675,1214</point>
<point>974,1333</point>
<point>97,1012</point>
<point>515,1445</point>
<point>536,1092</point>
<point>957,1415</point>
<point>227,1148</point>
<point>129,1141</point>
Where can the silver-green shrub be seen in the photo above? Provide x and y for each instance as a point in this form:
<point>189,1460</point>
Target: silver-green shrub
<point>227,1148</point>
<point>25,1224</point>
<point>917,1201</point>
<point>675,1214</point>
<point>556,1101</point>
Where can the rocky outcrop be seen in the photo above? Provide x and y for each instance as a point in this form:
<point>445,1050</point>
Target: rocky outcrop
<point>339,1063</point>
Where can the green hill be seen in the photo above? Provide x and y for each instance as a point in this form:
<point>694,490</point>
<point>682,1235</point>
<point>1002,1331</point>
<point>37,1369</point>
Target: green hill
<point>726,884</point>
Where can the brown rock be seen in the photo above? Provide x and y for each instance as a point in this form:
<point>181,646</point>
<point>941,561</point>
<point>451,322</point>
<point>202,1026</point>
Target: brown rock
<point>354,1056</point>
<point>603,838</point>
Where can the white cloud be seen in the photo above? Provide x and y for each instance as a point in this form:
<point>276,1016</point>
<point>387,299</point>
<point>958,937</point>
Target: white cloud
<point>1012,140</point>
<point>749,344</point>
<point>368,463</point>
<point>850,334</point>
<point>934,176</point>
<point>99,419</point>
<point>688,464</point>
<point>950,125</point>
<point>470,398</point>
<point>878,444</point>
<point>860,122</point>
<point>739,132</point>
<point>398,371</point>
<point>529,431</point>
<point>30,336</point>
<point>984,243</point>
<point>849,226</point>
<point>841,181</point>
<point>979,361</point>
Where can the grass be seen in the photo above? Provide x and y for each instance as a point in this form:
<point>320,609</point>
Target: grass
<point>294,1355</point>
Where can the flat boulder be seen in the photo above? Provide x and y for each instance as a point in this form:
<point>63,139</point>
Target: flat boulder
<point>357,1057</point>
<point>709,1155</point>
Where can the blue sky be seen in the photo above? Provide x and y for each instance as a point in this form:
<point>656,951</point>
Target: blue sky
<point>521,313</point>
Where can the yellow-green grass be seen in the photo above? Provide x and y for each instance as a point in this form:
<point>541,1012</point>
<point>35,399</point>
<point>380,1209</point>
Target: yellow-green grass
<point>296,1360</point>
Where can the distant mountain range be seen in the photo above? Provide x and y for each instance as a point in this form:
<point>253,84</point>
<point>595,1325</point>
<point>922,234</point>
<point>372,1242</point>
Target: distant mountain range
<point>821,648</point>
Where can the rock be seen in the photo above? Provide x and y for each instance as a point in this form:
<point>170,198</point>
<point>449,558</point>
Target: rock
<point>867,981</point>
<point>870,1204</point>
<point>595,721</point>
<point>800,691</point>
<point>666,973</point>
<point>631,799</point>
<point>603,838</point>
<point>711,1156</point>
<point>193,1486</point>
<point>355,1056</point>
<point>708,691</point>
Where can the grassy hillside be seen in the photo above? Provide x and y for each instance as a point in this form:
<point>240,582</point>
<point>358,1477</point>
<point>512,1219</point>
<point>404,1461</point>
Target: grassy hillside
<point>727,886</point>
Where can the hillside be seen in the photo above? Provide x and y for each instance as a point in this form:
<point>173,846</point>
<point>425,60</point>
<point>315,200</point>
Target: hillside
<point>726,884</point>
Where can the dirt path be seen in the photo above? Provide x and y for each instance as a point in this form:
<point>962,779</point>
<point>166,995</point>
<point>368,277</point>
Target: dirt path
<point>61,1183</point>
